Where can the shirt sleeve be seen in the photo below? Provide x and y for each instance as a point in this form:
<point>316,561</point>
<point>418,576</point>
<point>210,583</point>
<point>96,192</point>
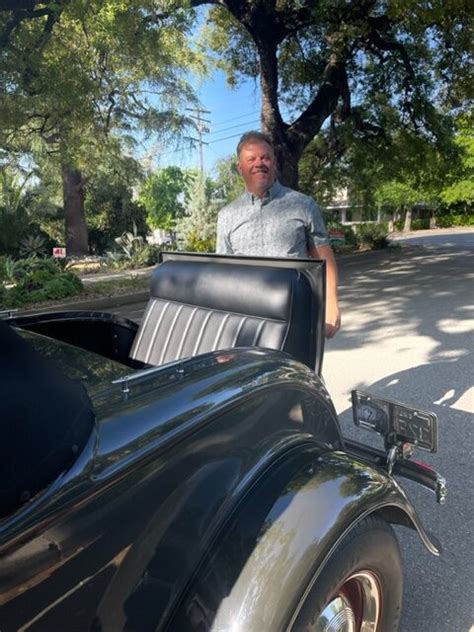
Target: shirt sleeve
<point>317,234</point>
<point>223,246</point>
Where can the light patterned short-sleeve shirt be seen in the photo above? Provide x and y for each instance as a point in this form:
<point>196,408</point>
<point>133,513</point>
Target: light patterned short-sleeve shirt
<point>285,223</point>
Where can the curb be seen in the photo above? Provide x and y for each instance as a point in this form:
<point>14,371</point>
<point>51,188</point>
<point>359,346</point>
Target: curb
<point>91,304</point>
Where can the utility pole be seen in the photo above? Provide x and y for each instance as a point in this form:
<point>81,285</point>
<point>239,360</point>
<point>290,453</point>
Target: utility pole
<point>201,129</point>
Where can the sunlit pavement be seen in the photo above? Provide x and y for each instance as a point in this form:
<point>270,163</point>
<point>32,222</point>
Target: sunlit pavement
<point>408,333</point>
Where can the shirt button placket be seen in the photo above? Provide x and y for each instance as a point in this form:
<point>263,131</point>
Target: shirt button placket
<point>262,227</point>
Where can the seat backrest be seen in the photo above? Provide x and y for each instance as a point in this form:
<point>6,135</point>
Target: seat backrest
<point>200,304</point>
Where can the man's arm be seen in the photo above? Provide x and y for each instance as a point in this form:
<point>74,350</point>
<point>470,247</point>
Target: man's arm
<point>333,315</point>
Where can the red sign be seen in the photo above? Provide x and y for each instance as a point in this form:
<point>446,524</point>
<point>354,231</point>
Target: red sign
<point>335,235</point>
<point>59,253</point>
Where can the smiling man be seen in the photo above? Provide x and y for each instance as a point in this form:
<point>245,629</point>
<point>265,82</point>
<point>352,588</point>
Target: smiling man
<point>271,220</point>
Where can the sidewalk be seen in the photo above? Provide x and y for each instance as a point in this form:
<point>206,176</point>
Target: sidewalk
<point>397,235</point>
<point>95,277</point>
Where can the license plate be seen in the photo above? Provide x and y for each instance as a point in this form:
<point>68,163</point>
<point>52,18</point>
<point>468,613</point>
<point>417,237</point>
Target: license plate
<point>395,421</point>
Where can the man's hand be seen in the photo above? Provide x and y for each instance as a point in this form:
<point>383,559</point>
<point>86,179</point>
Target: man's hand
<point>333,315</point>
<point>333,319</point>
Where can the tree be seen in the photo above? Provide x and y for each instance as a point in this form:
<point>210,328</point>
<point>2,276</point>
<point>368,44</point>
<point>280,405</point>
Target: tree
<point>15,197</point>
<point>85,78</point>
<point>227,183</point>
<point>400,171</point>
<point>197,228</point>
<point>162,196</point>
<point>460,187</point>
<point>330,63</point>
<point>111,207</point>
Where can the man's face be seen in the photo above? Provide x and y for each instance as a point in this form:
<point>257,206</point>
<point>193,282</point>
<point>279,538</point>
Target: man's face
<point>257,166</point>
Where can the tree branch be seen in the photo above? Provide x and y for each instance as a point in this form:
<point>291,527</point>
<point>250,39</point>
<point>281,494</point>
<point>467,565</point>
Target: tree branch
<point>25,10</point>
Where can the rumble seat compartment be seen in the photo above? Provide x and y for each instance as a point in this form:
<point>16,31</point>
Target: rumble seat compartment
<point>46,419</point>
<point>199,303</point>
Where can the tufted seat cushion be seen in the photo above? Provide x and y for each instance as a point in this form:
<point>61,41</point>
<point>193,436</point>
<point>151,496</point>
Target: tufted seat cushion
<point>203,305</point>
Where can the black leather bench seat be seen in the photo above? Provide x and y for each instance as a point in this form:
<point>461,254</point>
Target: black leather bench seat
<point>201,306</point>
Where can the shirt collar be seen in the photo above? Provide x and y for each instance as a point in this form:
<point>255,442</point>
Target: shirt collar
<point>270,194</point>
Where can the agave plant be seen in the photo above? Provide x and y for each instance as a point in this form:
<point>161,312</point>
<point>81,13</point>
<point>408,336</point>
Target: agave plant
<point>130,242</point>
<point>33,246</point>
<point>11,267</point>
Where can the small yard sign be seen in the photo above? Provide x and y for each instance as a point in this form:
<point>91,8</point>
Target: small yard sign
<point>59,253</point>
<point>337,236</point>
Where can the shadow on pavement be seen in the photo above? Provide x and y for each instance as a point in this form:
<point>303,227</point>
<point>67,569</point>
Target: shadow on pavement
<point>426,293</point>
<point>437,589</point>
<point>427,297</point>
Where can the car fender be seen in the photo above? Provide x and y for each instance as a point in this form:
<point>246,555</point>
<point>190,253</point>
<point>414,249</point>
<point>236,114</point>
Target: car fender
<point>273,550</point>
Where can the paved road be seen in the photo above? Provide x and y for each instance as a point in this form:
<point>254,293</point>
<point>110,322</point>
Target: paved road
<point>445,238</point>
<point>408,334</point>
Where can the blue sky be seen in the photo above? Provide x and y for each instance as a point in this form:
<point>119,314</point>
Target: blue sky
<point>232,112</point>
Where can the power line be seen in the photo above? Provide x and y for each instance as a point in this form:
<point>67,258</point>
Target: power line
<point>234,126</point>
<point>211,142</point>
<point>217,140</point>
<point>235,118</point>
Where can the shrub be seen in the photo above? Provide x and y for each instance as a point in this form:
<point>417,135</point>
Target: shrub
<point>420,224</point>
<point>193,243</point>
<point>39,280</point>
<point>372,236</point>
<point>446,221</point>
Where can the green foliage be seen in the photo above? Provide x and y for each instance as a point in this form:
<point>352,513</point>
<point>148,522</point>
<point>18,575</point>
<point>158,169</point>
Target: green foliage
<point>399,171</point>
<point>397,194</point>
<point>162,196</point>
<point>33,245</point>
<point>14,219</point>
<point>36,280</point>
<point>197,228</point>
<point>93,73</point>
<point>111,211</point>
<point>89,81</point>
<point>227,183</point>
<point>461,192</point>
<point>446,221</point>
<point>134,252</point>
<point>194,243</point>
<point>420,224</point>
<point>372,236</point>
<point>348,70</point>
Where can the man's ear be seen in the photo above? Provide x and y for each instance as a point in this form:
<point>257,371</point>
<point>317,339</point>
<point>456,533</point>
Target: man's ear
<point>239,170</point>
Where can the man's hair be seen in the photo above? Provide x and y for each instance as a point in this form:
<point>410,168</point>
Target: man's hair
<point>251,137</point>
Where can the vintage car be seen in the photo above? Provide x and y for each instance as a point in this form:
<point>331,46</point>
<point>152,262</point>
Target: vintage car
<point>190,474</point>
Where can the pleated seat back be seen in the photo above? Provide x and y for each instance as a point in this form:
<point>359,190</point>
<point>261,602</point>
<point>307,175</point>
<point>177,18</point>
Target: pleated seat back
<point>199,305</point>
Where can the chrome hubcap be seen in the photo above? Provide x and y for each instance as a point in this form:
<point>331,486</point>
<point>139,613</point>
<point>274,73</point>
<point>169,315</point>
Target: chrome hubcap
<point>337,616</point>
<point>355,606</point>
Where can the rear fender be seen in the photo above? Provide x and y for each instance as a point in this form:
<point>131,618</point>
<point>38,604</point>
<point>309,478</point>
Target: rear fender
<point>281,536</point>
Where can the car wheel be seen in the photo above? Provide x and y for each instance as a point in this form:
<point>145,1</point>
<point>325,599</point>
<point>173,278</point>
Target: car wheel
<point>360,587</point>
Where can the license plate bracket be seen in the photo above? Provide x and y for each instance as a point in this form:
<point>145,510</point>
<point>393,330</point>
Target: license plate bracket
<point>395,421</point>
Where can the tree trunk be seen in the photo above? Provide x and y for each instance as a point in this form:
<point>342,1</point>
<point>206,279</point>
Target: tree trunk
<point>77,243</point>
<point>407,225</point>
